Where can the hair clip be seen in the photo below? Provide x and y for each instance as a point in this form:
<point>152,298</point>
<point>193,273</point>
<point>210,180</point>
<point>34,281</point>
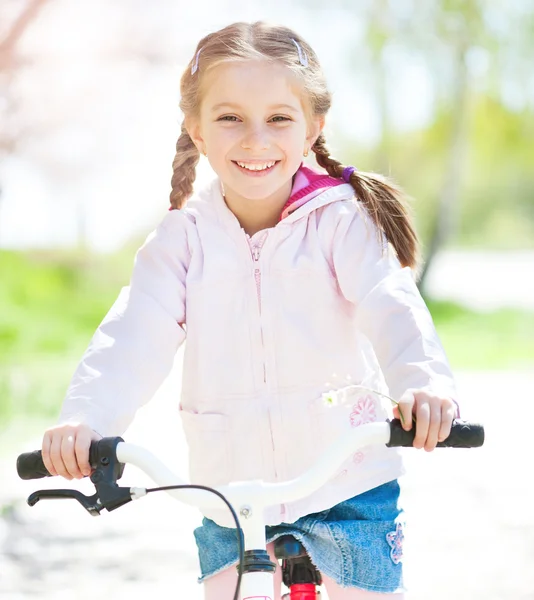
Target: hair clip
<point>302,55</point>
<point>194,68</point>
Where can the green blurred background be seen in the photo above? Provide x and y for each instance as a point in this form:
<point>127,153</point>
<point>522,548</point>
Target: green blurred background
<point>436,93</point>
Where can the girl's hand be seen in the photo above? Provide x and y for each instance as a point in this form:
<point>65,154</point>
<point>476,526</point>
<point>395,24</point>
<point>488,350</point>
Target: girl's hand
<point>65,450</point>
<point>433,416</point>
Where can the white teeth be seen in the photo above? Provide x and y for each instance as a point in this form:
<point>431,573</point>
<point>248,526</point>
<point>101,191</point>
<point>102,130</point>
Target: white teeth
<point>256,166</point>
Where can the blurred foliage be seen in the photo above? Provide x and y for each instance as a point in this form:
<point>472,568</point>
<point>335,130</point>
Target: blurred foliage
<point>498,202</point>
<point>497,192</point>
<point>501,339</point>
<point>50,305</point>
<point>471,169</point>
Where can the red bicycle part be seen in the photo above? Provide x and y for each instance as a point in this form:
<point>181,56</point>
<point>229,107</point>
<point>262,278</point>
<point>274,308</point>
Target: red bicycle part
<point>303,591</point>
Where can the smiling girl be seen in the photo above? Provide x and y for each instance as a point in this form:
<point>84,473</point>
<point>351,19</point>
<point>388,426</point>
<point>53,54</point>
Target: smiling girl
<point>290,282</point>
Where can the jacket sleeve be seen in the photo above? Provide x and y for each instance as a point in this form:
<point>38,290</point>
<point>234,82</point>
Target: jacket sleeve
<point>133,349</point>
<point>390,311</point>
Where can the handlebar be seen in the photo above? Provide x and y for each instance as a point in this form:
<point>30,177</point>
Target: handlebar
<point>464,434</point>
<point>108,456</point>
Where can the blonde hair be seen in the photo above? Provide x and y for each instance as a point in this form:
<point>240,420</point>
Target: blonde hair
<point>385,203</point>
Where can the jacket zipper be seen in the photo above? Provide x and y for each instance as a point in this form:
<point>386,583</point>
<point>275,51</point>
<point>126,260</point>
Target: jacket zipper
<point>256,252</point>
<point>257,273</point>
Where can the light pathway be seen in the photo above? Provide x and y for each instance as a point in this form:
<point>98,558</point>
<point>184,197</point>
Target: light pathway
<point>471,533</point>
<point>483,280</point>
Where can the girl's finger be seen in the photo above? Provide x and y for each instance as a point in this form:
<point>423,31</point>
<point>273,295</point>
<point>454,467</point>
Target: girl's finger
<point>423,422</point>
<point>405,409</point>
<point>45,453</point>
<point>448,412</point>
<point>434,426</point>
<point>68,455</point>
<point>55,456</point>
<point>81,448</point>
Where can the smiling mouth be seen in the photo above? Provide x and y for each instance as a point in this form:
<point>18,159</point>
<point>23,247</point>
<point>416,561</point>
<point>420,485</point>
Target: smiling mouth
<point>252,168</point>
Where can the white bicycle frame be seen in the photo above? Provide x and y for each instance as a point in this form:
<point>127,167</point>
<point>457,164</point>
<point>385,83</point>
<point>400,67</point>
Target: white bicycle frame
<point>250,498</point>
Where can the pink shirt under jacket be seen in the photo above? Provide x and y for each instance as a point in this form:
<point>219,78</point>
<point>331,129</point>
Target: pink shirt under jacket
<point>321,305</point>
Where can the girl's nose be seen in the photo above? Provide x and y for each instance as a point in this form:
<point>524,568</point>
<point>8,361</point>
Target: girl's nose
<point>255,139</point>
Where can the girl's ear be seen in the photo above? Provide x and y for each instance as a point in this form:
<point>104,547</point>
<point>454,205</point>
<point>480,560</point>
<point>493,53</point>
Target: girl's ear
<point>316,127</point>
<point>193,129</point>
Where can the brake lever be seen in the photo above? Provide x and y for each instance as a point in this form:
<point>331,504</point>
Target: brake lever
<point>107,470</point>
<point>91,503</point>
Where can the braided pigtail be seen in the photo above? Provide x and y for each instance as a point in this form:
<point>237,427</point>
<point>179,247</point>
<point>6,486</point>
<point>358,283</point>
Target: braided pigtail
<point>183,169</point>
<point>386,204</point>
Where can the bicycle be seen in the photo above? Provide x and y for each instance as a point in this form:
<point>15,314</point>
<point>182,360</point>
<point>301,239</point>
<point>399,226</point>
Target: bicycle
<point>109,456</point>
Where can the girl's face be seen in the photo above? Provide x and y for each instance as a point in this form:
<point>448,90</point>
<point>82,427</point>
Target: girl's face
<point>253,127</point>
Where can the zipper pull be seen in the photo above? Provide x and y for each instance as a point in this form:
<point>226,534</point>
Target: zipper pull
<point>256,253</point>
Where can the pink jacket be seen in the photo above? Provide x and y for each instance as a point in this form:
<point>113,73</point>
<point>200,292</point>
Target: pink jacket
<point>273,322</point>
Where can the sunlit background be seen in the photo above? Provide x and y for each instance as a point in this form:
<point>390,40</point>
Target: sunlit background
<point>438,94</point>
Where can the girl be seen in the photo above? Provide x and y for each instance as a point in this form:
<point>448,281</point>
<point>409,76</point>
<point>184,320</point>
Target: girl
<point>289,282</point>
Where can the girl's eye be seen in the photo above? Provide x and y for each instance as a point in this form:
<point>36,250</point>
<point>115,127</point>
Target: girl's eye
<point>233,119</point>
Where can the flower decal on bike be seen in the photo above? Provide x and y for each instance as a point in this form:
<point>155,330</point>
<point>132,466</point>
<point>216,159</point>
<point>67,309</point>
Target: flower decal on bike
<point>395,540</point>
<point>364,411</point>
<point>358,457</point>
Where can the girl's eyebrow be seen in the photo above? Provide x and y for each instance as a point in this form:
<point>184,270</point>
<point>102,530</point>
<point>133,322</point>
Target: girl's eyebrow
<point>234,105</point>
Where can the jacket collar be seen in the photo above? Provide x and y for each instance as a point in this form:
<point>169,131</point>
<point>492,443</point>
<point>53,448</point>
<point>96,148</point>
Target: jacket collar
<point>209,201</point>
<point>307,184</point>
<point>340,193</point>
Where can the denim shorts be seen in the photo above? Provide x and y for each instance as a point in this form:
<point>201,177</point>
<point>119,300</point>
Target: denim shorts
<point>357,543</point>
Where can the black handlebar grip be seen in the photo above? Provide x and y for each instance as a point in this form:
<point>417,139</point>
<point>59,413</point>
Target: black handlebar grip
<point>30,466</point>
<point>464,434</point>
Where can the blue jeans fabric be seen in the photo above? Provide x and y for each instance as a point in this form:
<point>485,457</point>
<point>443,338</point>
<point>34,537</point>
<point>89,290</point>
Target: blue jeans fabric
<point>358,543</point>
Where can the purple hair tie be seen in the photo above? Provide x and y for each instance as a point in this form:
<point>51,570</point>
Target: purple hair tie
<point>347,172</point>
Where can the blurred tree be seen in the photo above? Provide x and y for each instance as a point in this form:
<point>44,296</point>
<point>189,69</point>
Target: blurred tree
<point>470,49</point>
<point>443,33</point>
<point>47,100</point>
<point>9,63</point>
<point>458,25</point>
<point>380,30</point>
<point>476,51</point>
